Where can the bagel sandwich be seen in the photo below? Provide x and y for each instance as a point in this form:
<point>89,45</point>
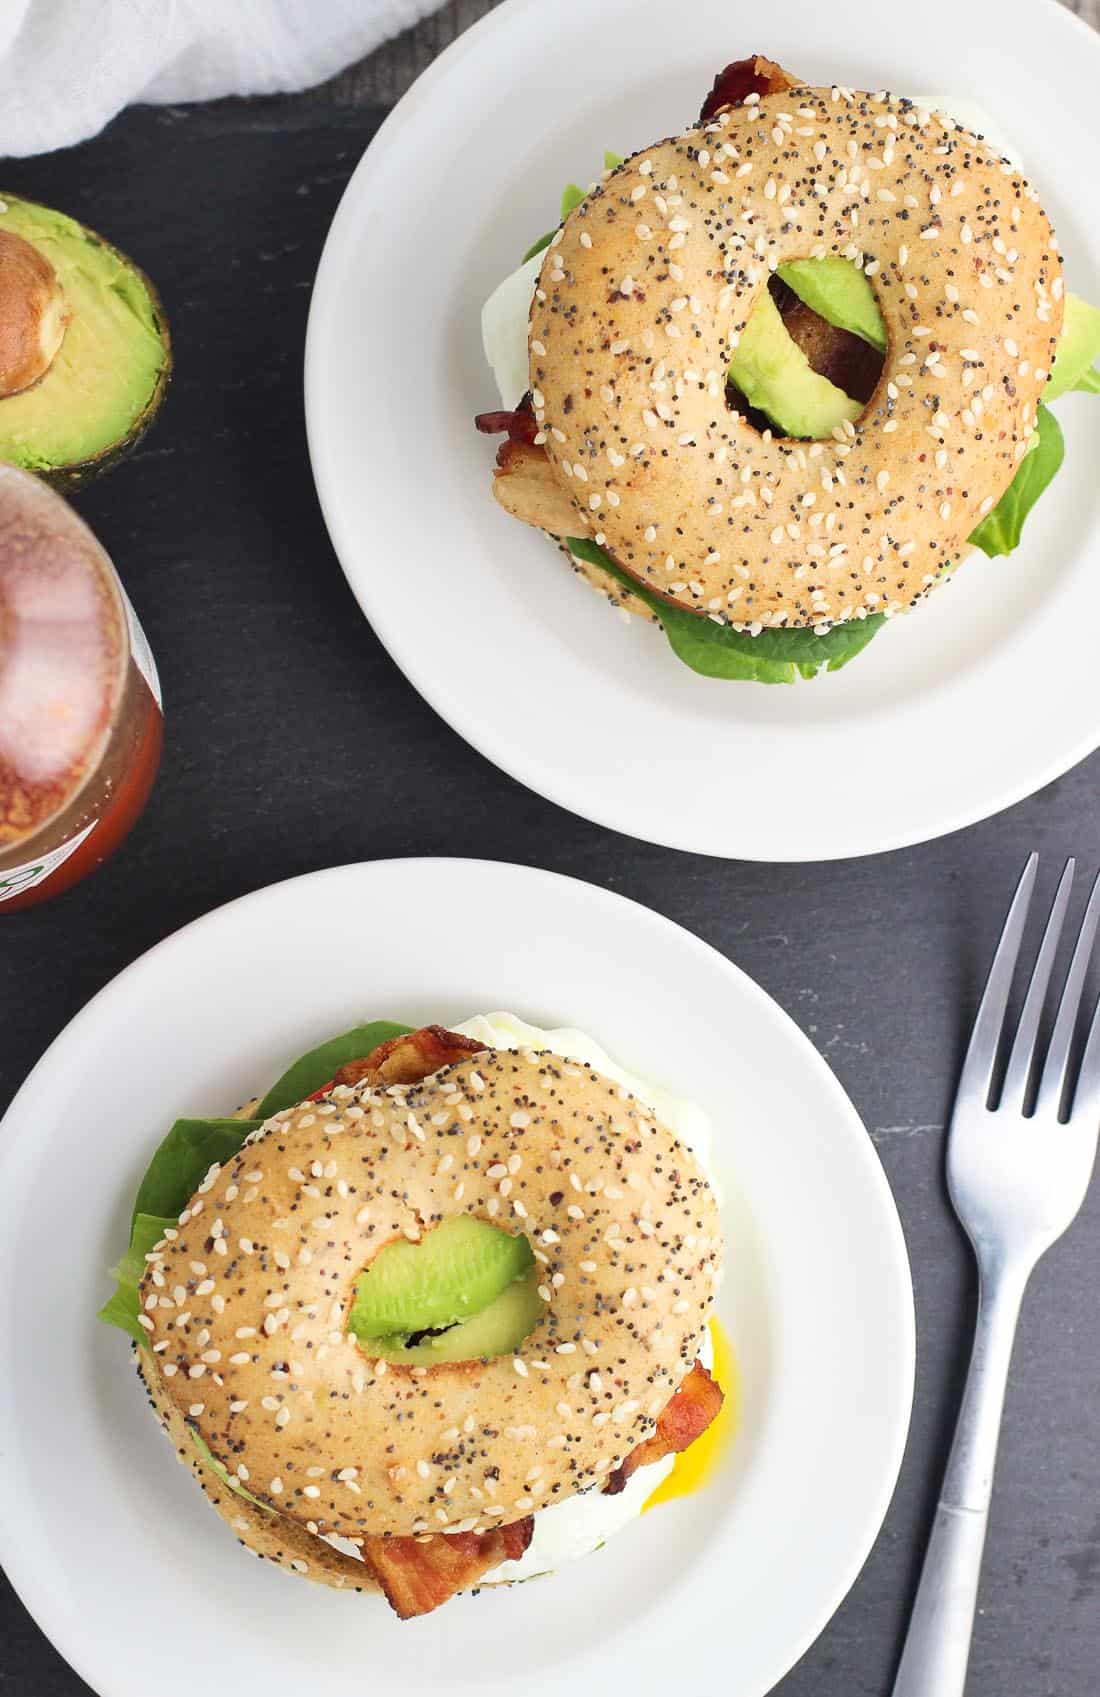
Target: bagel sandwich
<point>771,380</point>
<point>434,1312</point>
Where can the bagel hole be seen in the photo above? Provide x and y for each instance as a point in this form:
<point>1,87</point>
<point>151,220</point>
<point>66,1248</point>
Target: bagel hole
<point>846,360</point>
<point>465,1291</point>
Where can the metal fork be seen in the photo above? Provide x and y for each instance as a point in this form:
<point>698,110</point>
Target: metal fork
<point>1017,1178</point>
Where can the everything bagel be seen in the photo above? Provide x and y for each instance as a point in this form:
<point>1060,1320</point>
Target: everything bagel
<point>246,1306</point>
<point>645,291</point>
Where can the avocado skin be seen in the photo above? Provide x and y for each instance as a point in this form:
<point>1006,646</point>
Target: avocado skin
<point>77,474</point>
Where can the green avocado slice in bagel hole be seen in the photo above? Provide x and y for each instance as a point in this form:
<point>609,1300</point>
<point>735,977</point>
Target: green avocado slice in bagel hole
<point>467,1291</point>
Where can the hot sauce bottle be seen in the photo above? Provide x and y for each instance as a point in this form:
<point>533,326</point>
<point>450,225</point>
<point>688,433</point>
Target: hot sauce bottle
<point>80,709</point>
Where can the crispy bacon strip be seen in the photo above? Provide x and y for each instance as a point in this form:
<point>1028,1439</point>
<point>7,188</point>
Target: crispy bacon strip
<point>743,77</point>
<point>419,1575</point>
<point>520,425</point>
<point>683,1419</point>
<point>525,483</point>
<point>406,1059</point>
<point>527,486</point>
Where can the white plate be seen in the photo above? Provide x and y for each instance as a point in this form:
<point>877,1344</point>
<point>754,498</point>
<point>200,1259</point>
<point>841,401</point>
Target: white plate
<point>108,1541</point>
<point>973,702</point>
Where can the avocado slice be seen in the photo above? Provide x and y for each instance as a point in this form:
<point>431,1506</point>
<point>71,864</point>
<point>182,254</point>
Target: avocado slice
<point>499,1329</point>
<point>773,374</point>
<point>104,386</point>
<point>839,293</point>
<point>454,1271</point>
<point>1078,348</point>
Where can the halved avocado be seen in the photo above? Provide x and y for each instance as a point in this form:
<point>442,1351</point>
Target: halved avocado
<point>104,386</point>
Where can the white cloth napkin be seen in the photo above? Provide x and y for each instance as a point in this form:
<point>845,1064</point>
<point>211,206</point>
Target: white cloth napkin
<point>67,66</point>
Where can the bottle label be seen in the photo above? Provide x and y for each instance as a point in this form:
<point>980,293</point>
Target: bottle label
<point>139,648</point>
<point>17,879</point>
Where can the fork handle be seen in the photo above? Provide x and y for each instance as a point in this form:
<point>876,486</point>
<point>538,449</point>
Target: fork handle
<point>937,1644</point>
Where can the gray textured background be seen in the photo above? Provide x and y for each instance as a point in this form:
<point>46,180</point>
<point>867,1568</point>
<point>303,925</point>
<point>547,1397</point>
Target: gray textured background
<point>294,743</point>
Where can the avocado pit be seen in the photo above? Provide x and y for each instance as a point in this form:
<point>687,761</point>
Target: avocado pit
<point>33,314</point>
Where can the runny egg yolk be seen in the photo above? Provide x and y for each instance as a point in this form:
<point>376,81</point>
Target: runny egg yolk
<point>694,1466</point>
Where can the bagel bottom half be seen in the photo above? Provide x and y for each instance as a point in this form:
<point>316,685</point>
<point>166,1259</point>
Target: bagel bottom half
<point>272,1537</point>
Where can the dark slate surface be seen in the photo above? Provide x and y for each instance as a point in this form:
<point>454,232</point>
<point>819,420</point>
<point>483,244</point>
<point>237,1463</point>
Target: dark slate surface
<point>294,743</point>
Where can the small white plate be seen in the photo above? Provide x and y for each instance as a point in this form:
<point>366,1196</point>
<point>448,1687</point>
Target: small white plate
<point>974,701</point>
<point>109,1542</point>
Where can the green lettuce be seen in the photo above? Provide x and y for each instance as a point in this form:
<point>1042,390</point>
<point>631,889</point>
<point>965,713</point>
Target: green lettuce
<point>538,247</point>
<point>317,1067</point>
<point>571,195</point>
<point>182,1160</point>
<point>124,1306</point>
<point>999,532</point>
<point>222,1472</point>
<point>186,1153</point>
<point>775,656</point>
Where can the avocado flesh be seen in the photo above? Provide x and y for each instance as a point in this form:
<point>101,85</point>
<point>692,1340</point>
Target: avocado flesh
<point>1078,347</point>
<point>839,293</point>
<point>774,375</point>
<point>105,385</point>
<point>455,1270</point>
<point>499,1329</point>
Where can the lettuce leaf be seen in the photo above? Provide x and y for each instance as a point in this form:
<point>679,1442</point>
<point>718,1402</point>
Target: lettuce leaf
<point>999,532</point>
<point>182,1160</point>
<point>222,1472</point>
<point>318,1066</point>
<point>777,656</point>
<point>538,247</point>
<point>123,1307</point>
<point>186,1153</point>
<point>571,196</point>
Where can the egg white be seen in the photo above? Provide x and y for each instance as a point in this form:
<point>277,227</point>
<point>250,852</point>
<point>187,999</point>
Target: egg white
<point>505,314</point>
<point>565,1531</point>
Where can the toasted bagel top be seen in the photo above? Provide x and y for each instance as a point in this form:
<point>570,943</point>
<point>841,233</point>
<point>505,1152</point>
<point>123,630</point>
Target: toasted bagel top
<point>249,1322</point>
<point>645,290</point>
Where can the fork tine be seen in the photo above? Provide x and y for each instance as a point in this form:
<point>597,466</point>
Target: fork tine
<point>1022,1058</point>
<point>981,1051</point>
<point>1052,1086</point>
<point>1086,1095</point>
